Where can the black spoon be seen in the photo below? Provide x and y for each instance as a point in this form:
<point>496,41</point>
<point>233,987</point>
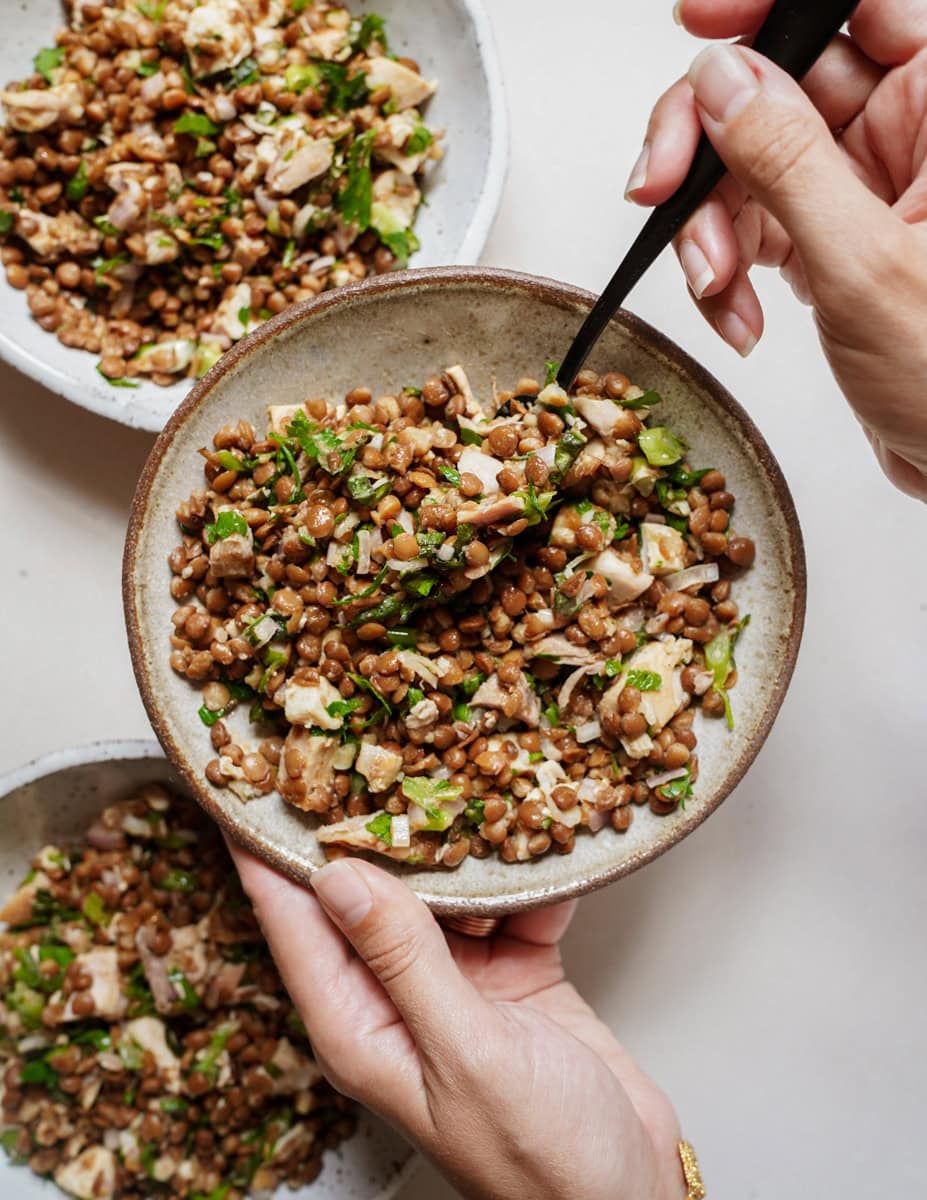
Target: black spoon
<point>794,36</point>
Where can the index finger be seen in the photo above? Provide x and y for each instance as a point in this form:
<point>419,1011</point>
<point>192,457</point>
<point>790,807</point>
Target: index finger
<point>890,32</point>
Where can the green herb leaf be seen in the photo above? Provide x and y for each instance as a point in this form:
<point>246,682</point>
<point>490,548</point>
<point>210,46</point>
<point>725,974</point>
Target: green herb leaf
<point>451,474</point>
<point>301,76</point>
<point>174,1104</point>
<point>355,200</point>
<point>99,1039</point>
<point>661,447</point>
<point>246,72</point>
<point>469,437</point>
<point>178,881</point>
<point>419,139</point>
<point>185,990</point>
<point>195,123</point>
<point>147,69</point>
<point>226,523</point>
<point>687,479</point>
<point>78,184</point>
<point>368,591</point>
<point>6,221</point>
<point>94,909</point>
<point>613,667</point>
<point>344,92</point>
<point>371,28</point>
<point>474,811</point>
<point>677,789</point>
<point>381,827</point>
<point>39,1072</point>
<point>403,638</point>
<point>648,400</point>
<point>471,685</point>
<point>567,452</point>
<point>367,686</point>
<point>215,241</point>
<point>207,1061</point>
<point>644,681</point>
<point>368,492</point>
<point>343,708</point>
<point>48,60</point>
<point>403,244</point>
<point>550,368</point>
<point>423,790</point>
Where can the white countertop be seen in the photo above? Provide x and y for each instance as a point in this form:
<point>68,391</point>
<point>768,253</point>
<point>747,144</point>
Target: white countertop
<point>770,972</point>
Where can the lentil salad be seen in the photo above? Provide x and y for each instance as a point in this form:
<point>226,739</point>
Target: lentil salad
<point>173,173</point>
<point>147,1044</point>
<point>459,625</point>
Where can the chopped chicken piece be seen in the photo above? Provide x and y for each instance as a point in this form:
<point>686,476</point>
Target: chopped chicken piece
<point>154,247</point>
<point>602,415</point>
<point>150,1034</point>
<point>663,549</point>
<point>499,511</point>
<point>307,769</point>
<point>559,648</point>
<point>102,965</point>
<point>492,694</point>
<point>327,43</point>
<point>299,159</point>
<point>217,37</point>
<point>18,909</point>
<point>663,659</point>
<point>294,1072</point>
<point>227,317</point>
<point>166,357</point>
<point>36,109</point>
<point>307,704</point>
<point>378,766</point>
<point>396,198</point>
<point>353,832</point>
<point>53,237</point>
<point>89,1176</point>
<point>232,557</point>
<point>407,88</point>
<point>624,582</point>
<point>422,715</point>
<point>483,466</point>
<point>399,127</point>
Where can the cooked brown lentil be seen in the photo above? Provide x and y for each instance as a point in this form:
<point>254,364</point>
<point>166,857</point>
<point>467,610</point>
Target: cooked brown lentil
<point>479,662</point>
<point>141,1029</point>
<point>189,169</point>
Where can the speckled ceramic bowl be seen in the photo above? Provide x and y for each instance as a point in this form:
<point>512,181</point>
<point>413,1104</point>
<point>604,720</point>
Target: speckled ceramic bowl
<point>451,39</point>
<point>56,798</point>
<point>390,332</point>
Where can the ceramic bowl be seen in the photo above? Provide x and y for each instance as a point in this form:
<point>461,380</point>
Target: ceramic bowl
<point>452,41</point>
<point>56,798</point>
<point>390,332</point>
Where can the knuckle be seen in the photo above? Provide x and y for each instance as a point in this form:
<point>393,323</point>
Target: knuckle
<point>780,152</point>
<point>393,953</point>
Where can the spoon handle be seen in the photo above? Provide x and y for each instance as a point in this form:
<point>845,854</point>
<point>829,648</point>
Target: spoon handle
<point>794,36</point>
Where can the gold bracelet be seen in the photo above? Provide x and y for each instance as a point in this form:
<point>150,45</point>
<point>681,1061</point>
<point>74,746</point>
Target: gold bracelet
<point>692,1172</point>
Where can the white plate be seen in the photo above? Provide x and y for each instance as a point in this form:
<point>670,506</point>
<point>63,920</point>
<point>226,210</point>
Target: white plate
<point>54,798</point>
<point>450,39</point>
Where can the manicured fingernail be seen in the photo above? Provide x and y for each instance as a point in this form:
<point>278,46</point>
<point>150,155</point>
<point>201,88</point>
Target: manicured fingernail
<point>639,173</point>
<point>677,12</point>
<point>697,267</point>
<point>723,82</point>
<point>737,333</point>
<point>343,892</point>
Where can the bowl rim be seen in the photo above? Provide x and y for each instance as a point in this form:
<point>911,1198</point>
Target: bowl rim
<point>114,404</point>
<point>563,295</point>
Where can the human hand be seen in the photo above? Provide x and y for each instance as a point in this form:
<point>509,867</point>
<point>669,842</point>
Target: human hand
<point>830,185</point>
<point>480,1052</point>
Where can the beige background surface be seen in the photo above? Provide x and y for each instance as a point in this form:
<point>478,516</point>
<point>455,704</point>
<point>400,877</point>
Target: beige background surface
<point>770,972</point>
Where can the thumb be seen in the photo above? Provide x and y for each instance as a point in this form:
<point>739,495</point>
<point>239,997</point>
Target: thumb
<point>402,944</point>
<point>776,143</point>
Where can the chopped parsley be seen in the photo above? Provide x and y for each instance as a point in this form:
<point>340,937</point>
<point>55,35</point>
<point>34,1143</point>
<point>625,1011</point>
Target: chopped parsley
<point>197,124</point>
<point>644,681</point>
<point>227,523</point>
<point>78,184</point>
<point>6,221</point>
<point>419,139</point>
<point>677,789</point>
<point>551,368</point>
<point>567,451</point>
<point>355,201</point>
<point>469,437</point>
<point>48,60</point>
<point>368,492</point>
<point>648,400</point>
<point>382,828</point>
<point>451,474</point>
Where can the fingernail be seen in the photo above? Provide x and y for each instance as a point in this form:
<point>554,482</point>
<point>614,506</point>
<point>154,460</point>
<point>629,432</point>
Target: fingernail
<point>343,892</point>
<point>737,333</point>
<point>723,82</point>
<point>677,12</point>
<point>697,267</point>
<point>639,173</point>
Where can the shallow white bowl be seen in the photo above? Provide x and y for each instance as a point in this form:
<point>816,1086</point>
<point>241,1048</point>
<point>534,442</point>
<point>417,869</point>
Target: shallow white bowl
<point>453,43</point>
<point>55,798</point>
